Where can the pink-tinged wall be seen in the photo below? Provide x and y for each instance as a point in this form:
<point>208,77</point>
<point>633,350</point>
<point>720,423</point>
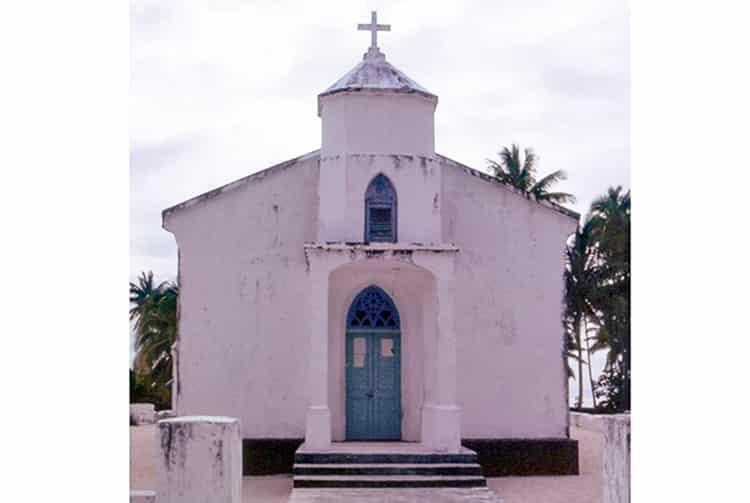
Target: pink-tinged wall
<point>509,292</point>
<point>376,122</point>
<point>344,180</point>
<point>419,280</point>
<point>242,350</point>
<point>244,345</point>
<point>365,133</point>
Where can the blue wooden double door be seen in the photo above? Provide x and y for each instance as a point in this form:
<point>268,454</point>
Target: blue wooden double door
<point>373,368</point>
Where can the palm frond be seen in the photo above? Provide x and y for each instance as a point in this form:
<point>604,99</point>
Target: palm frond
<point>556,197</point>
<point>529,163</point>
<point>547,181</point>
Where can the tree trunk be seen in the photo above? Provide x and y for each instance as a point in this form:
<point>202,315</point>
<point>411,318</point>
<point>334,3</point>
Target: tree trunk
<point>588,356</point>
<point>580,365</point>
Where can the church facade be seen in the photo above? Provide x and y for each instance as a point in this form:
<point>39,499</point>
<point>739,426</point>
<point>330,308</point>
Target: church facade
<point>373,289</point>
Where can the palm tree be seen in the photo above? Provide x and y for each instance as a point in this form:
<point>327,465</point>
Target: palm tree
<point>141,296</point>
<point>610,215</point>
<point>154,313</point>
<point>522,175</point>
<point>581,278</point>
<point>610,220</point>
<point>597,295</point>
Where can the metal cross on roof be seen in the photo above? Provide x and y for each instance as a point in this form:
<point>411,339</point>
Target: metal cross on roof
<point>374,28</point>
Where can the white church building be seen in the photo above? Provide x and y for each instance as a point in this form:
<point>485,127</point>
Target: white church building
<point>375,290</point>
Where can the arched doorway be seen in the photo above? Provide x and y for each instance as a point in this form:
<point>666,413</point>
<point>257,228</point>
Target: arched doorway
<point>373,367</point>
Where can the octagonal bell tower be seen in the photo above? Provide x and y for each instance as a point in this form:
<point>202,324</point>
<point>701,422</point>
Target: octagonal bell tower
<point>377,121</point>
<point>377,109</point>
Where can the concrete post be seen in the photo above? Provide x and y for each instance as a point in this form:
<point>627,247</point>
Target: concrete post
<point>199,460</point>
<point>616,458</point>
<point>318,417</point>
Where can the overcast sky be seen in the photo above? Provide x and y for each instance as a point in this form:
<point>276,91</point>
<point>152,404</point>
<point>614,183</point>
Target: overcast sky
<point>224,88</point>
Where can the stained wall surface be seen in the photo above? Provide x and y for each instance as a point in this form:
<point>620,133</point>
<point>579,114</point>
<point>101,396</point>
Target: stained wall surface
<point>509,292</point>
<point>242,346</point>
<point>367,122</point>
<point>344,180</point>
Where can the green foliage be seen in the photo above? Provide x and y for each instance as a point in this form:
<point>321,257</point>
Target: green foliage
<point>611,390</point>
<point>610,217</point>
<point>154,313</point>
<point>511,170</point>
<point>144,389</point>
<point>580,277</point>
<point>597,293</point>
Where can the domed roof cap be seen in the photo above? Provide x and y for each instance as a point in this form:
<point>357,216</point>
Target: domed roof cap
<point>376,74</point>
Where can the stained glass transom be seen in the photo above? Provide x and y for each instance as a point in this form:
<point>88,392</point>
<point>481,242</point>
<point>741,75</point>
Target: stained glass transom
<point>373,308</point>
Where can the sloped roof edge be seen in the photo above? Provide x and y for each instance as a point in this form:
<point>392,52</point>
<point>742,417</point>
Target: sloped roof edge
<point>238,183</point>
<point>484,176</point>
<point>316,153</point>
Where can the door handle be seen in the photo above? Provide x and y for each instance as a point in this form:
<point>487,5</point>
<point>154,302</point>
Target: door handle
<point>369,394</point>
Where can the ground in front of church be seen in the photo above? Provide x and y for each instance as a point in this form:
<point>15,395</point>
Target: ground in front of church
<point>584,488</point>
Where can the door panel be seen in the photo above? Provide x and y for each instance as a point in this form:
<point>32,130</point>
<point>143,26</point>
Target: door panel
<point>358,377</point>
<point>373,386</point>
<point>387,406</point>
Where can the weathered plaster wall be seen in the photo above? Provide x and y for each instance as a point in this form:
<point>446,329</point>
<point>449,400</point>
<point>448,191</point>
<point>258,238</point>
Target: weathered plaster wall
<point>588,422</point>
<point>509,287</point>
<point>142,413</point>
<point>617,458</point>
<point>344,180</point>
<point>199,459</point>
<point>242,286</point>
<point>370,122</point>
<point>615,429</point>
<point>140,496</point>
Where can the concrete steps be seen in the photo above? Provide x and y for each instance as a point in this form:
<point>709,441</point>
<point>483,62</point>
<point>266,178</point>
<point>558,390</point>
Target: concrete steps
<point>389,481</point>
<point>403,495</point>
<point>382,457</point>
<point>397,469</point>
<point>389,469</point>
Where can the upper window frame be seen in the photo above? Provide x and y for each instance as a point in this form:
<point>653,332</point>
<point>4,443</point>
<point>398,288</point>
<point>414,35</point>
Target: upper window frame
<point>381,194</point>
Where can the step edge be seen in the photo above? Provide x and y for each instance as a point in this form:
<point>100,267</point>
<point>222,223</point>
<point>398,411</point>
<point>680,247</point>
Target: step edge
<point>387,465</point>
<point>312,484</point>
<point>462,458</point>
<point>353,478</point>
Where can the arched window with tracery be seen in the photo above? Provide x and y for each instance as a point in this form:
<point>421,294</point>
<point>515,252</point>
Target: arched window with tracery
<point>380,210</point>
<point>372,308</point>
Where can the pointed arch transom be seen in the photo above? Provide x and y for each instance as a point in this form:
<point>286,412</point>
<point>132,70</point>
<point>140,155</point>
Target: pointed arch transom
<point>373,308</point>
